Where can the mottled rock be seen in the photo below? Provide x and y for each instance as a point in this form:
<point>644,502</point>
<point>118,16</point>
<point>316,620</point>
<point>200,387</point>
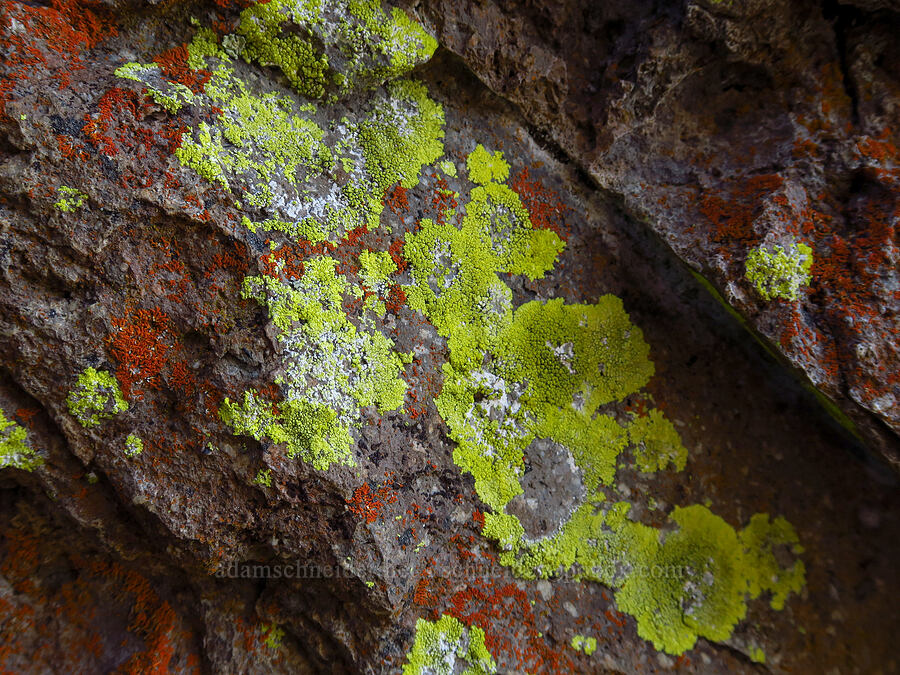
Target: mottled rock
<point>324,359</point>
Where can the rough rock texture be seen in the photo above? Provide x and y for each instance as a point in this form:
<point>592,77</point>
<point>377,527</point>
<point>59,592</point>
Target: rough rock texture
<point>726,126</point>
<point>307,367</point>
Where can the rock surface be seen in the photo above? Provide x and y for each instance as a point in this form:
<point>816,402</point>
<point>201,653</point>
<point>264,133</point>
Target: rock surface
<point>320,356</point>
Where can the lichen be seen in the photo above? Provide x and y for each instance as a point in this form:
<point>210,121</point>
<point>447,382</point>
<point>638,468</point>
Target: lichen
<point>14,451</point>
<point>273,633</point>
<point>757,655</point>
<point>263,477</point>
<point>440,643</point>
<point>656,443</point>
<point>70,199</point>
<point>95,397</point>
<point>760,539</point>
<point>485,167</point>
<point>133,445</point>
<point>333,47</point>
<point>779,273</point>
<point>375,268</point>
<point>328,180</point>
<point>332,367</point>
<point>547,370</point>
<point>703,590</point>
<point>448,168</point>
<point>170,95</point>
<point>588,645</point>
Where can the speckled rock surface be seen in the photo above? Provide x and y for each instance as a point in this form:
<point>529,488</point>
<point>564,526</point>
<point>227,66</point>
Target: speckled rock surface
<point>318,357</point>
<point>729,126</point>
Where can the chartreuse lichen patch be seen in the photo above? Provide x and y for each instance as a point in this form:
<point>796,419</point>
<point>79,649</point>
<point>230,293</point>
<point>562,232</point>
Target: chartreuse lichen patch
<point>312,171</point>
<point>656,443</point>
<point>779,273</point>
<point>588,645</point>
<point>761,538</point>
<point>546,373</point>
<point>485,167</point>
<point>333,47</point>
<point>445,647</point>
<point>134,445</point>
<point>332,367</point>
<point>273,633</point>
<point>14,451</point>
<point>95,397</point>
<point>70,199</point>
<point>170,95</point>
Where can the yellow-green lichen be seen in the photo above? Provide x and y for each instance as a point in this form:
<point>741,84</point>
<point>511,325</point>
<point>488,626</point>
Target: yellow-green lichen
<point>273,633</point>
<point>14,451</point>
<point>332,367</point>
<point>263,477</point>
<point>545,371</point>
<point>440,644</point>
<point>95,397</point>
<point>133,445</point>
<point>70,199</point>
<point>399,138</point>
<point>757,655</point>
<point>485,167</point>
<point>588,645</point>
<point>761,538</point>
<point>656,443</point>
<point>170,95</point>
<point>333,47</point>
<point>327,180</point>
<point>375,267</point>
<point>448,168</point>
<point>779,273</point>
<point>701,587</point>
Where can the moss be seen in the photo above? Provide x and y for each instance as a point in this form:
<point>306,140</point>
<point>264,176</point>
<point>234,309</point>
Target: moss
<point>485,167</point>
<point>14,451</point>
<point>133,445</point>
<point>439,644</point>
<point>779,273</point>
<point>95,397</point>
<point>656,443</point>
<point>70,199</point>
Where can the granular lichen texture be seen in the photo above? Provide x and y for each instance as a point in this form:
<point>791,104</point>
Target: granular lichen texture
<point>448,337</point>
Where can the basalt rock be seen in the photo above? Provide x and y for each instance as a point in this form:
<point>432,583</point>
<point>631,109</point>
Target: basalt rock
<point>320,356</point>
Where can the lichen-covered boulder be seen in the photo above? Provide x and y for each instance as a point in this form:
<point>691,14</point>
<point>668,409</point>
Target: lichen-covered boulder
<point>316,357</point>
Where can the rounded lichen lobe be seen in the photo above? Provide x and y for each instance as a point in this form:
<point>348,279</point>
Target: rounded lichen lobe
<point>14,451</point>
<point>779,272</point>
<point>440,644</point>
<point>95,397</point>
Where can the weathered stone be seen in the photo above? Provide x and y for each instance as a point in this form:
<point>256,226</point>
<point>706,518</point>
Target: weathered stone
<point>344,367</point>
